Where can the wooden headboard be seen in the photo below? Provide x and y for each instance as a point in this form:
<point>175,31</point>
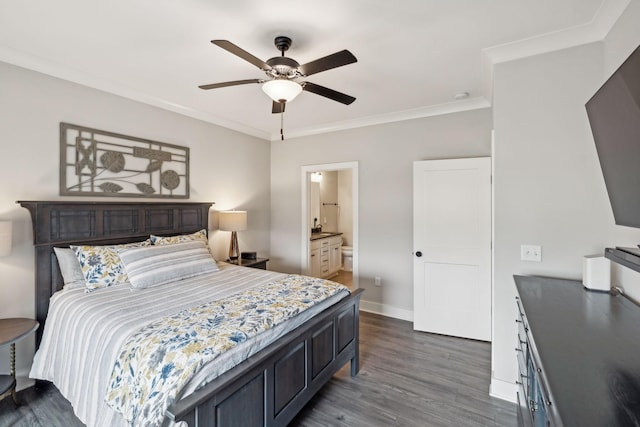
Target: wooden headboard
<point>62,223</point>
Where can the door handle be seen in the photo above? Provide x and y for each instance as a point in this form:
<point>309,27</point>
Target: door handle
<point>418,254</point>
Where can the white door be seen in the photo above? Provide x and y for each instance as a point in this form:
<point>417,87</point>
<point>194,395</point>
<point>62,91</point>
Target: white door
<point>452,247</point>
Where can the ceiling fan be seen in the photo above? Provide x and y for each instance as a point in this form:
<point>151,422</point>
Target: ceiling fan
<point>283,74</point>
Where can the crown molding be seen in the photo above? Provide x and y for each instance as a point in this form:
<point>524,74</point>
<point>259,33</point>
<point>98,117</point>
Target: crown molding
<point>594,31</point>
<point>50,68</point>
<point>416,113</point>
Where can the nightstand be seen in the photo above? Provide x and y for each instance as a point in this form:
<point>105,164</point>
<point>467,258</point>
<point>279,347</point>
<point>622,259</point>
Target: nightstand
<point>260,263</point>
<point>12,330</point>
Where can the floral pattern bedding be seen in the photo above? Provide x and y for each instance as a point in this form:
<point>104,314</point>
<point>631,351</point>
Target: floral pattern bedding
<point>158,360</point>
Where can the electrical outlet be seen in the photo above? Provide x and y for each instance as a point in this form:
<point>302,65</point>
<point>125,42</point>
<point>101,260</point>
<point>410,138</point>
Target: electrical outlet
<point>378,281</point>
<point>531,253</point>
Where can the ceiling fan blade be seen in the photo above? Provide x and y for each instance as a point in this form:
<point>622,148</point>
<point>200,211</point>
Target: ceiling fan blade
<point>233,83</point>
<point>338,59</point>
<point>277,107</point>
<point>232,48</point>
<point>327,93</point>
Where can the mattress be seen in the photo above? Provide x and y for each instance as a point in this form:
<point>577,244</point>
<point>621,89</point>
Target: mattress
<point>85,332</point>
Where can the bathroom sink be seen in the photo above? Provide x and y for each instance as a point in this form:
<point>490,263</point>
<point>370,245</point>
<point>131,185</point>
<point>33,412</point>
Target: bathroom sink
<point>323,234</point>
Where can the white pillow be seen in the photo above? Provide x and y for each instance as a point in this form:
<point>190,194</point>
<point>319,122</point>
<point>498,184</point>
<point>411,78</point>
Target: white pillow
<point>70,268</point>
<point>157,265</point>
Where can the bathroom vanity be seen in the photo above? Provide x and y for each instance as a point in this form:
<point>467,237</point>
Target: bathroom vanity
<point>325,254</point>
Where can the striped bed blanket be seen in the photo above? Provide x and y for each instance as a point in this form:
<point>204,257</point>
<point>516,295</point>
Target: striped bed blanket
<point>159,359</point>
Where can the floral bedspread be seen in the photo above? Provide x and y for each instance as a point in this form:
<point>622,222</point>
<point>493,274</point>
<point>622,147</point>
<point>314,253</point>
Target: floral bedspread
<point>157,361</point>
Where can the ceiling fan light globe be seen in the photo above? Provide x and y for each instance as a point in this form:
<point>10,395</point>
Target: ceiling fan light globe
<point>279,90</point>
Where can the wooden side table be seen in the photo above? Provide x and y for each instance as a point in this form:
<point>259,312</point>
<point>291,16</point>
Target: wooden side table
<point>11,331</point>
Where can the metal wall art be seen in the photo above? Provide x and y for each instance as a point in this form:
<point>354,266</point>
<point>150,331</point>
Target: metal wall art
<point>99,163</point>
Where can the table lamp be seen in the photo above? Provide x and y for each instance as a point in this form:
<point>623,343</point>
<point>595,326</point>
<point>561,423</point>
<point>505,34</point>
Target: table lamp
<point>233,221</point>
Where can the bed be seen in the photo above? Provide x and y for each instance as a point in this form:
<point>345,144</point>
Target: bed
<point>266,389</point>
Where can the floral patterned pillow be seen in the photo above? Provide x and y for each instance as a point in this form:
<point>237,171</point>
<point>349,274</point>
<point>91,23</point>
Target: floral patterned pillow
<point>102,266</point>
<point>180,238</point>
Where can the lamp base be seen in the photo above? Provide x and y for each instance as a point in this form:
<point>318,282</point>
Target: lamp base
<point>234,249</point>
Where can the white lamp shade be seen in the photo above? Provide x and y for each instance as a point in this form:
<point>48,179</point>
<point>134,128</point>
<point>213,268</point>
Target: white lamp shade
<point>233,220</point>
<point>5,238</point>
<point>280,89</point>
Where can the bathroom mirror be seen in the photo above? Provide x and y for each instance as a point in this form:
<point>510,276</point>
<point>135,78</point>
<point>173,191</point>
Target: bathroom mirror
<point>314,203</point>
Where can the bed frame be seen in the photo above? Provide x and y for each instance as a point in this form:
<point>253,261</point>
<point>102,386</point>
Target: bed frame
<point>269,388</point>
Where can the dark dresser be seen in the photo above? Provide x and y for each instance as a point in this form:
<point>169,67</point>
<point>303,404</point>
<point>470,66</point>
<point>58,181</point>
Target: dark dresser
<point>578,355</point>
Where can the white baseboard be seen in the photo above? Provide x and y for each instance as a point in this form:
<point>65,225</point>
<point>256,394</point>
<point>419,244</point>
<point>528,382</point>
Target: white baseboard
<point>386,310</point>
<point>504,390</point>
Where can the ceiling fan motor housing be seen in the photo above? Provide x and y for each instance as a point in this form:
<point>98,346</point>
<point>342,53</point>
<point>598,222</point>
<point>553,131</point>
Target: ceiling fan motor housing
<point>283,67</point>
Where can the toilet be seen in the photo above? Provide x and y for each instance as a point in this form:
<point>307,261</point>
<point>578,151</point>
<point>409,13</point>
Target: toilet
<point>347,258</point>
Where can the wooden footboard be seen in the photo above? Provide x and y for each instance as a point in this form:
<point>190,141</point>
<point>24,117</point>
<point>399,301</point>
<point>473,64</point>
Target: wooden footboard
<point>270,388</point>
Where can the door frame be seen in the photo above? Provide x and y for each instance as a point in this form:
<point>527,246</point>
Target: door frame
<point>305,231</point>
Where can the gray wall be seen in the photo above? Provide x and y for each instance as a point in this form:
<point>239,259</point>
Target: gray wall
<point>547,183</point>
<point>385,156</point>
<point>345,200</point>
<point>329,194</point>
<point>227,167</point>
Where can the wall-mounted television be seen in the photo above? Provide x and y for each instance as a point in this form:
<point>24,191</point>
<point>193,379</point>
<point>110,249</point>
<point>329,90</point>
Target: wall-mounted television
<point>614,115</point>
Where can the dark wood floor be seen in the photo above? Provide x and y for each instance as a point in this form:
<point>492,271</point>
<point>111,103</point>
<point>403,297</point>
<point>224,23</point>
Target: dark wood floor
<point>406,378</point>
<point>344,277</point>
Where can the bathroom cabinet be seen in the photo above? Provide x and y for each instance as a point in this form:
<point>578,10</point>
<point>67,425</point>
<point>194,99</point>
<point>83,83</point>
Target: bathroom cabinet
<point>314,259</point>
<point>325,249</point>
<point>325,255</point>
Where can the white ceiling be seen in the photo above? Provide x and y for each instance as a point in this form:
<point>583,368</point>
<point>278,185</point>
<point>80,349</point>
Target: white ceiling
<point>413,55</point>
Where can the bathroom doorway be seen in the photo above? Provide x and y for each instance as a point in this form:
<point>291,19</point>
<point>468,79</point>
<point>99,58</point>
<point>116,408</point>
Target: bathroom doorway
<point>330,205</point>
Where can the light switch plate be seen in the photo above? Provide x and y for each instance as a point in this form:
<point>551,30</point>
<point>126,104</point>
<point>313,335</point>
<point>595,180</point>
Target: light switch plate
<point>531,253</point>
